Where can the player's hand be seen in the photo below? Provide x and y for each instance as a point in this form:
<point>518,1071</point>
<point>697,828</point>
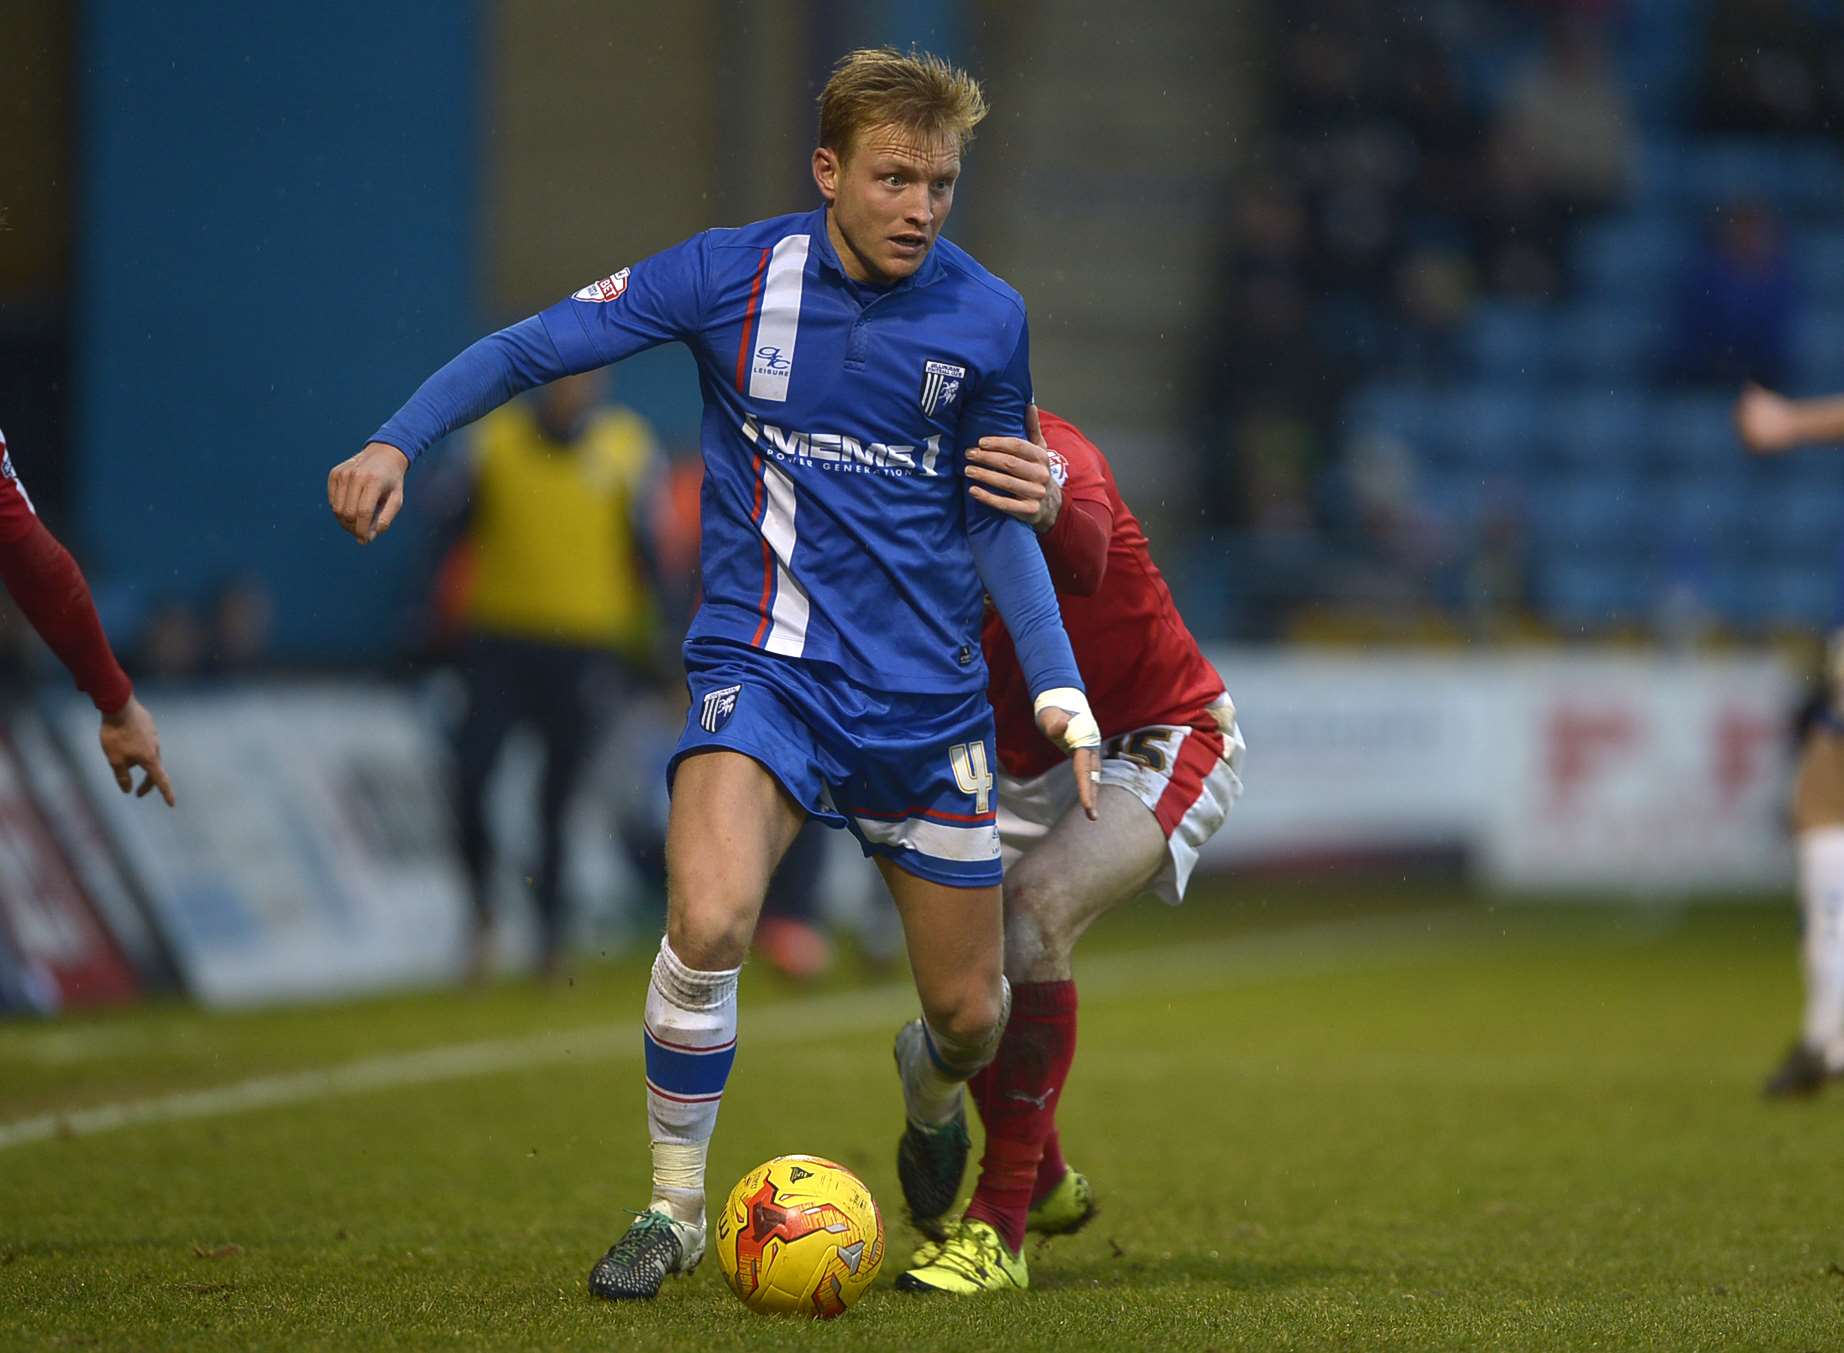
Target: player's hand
<point>1013,476</point>
<point>129,739</point>
<point>1765,421</point>
<point>1063,716</point>
<point>366,492</point>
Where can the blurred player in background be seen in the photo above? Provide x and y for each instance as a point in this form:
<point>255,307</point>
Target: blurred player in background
<point>555,605</point>
<point>48,587</point>
<point>847,358</point>
<point>1769,423</point>
<point>1170,770</point>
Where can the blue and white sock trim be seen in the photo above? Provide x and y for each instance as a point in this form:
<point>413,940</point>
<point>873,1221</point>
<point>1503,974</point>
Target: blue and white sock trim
<point>684,1074</point>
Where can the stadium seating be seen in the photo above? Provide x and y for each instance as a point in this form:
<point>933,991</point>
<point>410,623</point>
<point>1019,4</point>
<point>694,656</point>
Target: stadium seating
<point>1633,489</point>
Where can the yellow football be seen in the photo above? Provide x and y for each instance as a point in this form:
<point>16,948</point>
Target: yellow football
<point>800,1235</point>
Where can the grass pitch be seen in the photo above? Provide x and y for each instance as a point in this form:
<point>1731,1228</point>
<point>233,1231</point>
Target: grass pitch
<point>1316,1118</point>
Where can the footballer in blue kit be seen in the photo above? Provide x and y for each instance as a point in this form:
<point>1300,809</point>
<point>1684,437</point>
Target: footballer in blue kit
<point>847,357</point>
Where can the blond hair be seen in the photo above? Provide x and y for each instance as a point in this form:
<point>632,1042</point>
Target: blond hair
<point>917,91</point>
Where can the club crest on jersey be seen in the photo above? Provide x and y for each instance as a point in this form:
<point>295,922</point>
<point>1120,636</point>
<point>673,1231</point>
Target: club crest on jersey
<point>1059,467</point>
<point>940,384</point>
<point>717,708</point>
<point>608,289</point>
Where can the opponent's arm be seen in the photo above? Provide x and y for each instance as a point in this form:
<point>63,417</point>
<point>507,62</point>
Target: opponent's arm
<point>1013,475</point>
<point>1768,423</point>
<point>50,590</point>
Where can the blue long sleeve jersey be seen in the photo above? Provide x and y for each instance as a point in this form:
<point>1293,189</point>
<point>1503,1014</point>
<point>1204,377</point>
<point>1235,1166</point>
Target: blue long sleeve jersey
<point>836,521</point>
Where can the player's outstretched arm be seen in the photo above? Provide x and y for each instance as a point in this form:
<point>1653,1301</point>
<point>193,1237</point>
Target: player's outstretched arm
<point>129,741</point>
<point>365,492</point>
<point>1768,423</point>
<point>52,593</point>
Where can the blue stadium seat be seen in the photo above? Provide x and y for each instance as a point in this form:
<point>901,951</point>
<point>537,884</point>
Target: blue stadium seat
<point>1639,257</point>
<point>1818,258</point>
<point>1587,515</point>
<point>1818,351</point>
<point>1790,521</point>
<point>1812,179</point>
<point>1456,498</point>
<point>1692,431</point>
<point>1614,343</point>
<point>1790,594</point>
<point>1712,514</point>
<point>1593,593</point>
<point>1796,178</point>
<point>1597,431</point>
<point>1493,429</point>
<point>1660,171</point>
<point>1511,342</point>
<point>1400,410</point>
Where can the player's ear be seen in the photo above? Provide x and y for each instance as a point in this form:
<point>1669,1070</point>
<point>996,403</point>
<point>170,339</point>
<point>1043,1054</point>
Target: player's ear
<point>826,168</point>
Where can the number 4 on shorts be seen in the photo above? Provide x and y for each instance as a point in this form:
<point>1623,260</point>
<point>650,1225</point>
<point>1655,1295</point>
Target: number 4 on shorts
<point>972,773</point>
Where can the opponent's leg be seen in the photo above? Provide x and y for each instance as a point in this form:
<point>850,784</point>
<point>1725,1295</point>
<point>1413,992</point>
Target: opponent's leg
<point>730,822</point>
<point>1052,896</point>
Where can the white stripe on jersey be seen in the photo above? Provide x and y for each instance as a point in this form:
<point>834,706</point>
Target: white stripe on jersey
<point>772,362</point>
<point>787,634</point>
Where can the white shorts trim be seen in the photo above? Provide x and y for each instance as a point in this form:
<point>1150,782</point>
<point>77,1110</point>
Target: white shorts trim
<point>968,845</point>
<point>1028,809</point>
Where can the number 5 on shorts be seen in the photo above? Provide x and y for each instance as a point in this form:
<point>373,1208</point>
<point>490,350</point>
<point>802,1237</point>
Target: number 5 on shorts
<point>972,773</point>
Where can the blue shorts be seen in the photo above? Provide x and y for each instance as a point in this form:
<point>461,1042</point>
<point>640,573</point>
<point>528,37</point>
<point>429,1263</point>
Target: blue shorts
<point>911,776</point>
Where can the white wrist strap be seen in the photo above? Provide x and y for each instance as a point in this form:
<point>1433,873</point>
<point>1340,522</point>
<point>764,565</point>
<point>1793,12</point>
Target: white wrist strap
<point>1083,731</point>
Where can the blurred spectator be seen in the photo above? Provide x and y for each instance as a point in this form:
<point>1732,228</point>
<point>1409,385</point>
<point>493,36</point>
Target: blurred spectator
<point>1497,581</point>
<point>1566,114</point>
<point>242,620</point>
<point>1445,135</point>
<point>1774,66</point>
<point>1738,302</point>
<point>1434,297</point>
<point>1267,344</point>
<point>1394,546</point>
<point>1518,224</point>
<point>172,643</point>
<point>555,604</point>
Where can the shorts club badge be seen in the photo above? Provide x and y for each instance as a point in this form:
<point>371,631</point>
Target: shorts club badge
<point>717,708</point>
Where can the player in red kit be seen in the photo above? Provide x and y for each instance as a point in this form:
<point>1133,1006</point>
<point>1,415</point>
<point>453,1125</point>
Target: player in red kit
<point>1171,759</point>
<point>49,588</point>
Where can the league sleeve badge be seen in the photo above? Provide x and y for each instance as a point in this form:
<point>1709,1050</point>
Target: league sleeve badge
<point>608,289</point>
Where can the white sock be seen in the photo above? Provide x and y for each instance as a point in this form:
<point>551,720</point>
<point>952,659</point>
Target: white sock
<point>690,1043</point>
<point>934,1068</point>
<point>1821,889</point>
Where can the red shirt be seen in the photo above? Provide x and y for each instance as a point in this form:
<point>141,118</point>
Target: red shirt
<point>1140,664</point>
<point>49,588</point>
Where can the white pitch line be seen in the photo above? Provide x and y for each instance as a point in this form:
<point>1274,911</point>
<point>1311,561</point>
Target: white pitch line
<point>1301,952</point>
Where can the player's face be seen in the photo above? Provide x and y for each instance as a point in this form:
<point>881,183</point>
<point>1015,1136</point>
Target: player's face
<point>889,196</point>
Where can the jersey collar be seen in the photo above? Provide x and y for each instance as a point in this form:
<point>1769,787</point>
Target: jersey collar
<point>925,276</point>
